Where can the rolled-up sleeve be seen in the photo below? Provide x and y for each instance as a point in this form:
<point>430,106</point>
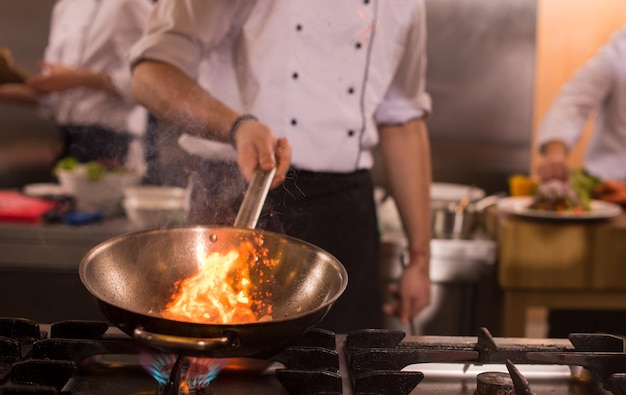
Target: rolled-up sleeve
<point>580,96</point>
<point>180,31</point>
<point>407,97</point>
<point>131,17</point>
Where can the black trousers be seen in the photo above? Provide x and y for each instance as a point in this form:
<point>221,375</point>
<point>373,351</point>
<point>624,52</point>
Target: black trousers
<point>335,212</point>
<point>93,142</point>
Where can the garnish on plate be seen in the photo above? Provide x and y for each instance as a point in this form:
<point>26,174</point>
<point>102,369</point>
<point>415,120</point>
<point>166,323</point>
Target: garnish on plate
<point>559,196</point>
<point>94,170</point>
<point>572,196</point>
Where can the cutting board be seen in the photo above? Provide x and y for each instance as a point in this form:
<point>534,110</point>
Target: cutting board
<point>17,207</point>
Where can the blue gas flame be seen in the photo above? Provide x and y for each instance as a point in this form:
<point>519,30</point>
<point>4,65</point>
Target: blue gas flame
<point>198,373</point>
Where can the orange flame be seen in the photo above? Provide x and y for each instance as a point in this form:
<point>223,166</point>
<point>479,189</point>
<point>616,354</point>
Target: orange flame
<point>221,292</point>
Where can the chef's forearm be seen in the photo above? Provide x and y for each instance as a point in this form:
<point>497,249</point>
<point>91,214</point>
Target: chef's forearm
<point>96,81</point>
<point>18,93</point>
<point>406,154</point>
<point>174,98</point>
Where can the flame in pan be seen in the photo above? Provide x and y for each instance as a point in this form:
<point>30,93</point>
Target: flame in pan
<point>223,290</point>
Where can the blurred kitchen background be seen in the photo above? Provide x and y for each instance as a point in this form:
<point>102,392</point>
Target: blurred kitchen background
<point>28,144</point>
<point>494,68</point>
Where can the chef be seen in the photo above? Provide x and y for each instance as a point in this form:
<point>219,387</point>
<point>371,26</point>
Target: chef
<point>84,84</point>
<point>599,87</point>
<point>311,88</point>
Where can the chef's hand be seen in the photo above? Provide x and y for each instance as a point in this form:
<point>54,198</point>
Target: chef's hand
<point>16,92</point>
<point>412,294</point>
<point>58,78</point>
<point>554,165</point>
<point>553,168</point>
<point>55,78</point>
<point>257,147</point>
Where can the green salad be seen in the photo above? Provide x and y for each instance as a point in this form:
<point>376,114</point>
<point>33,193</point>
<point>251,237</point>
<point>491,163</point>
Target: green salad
<point>584,185</point>
<point>574,195</point>
<point>94,170</point>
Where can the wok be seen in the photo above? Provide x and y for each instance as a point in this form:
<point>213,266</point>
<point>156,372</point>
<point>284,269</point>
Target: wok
<point>133,276</point>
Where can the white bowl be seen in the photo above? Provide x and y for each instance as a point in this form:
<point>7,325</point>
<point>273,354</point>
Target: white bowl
<point>103,195</point>
<point>154,192</point>
<point>44,190</point>
<point>156,206</point>
<point>454,192</point>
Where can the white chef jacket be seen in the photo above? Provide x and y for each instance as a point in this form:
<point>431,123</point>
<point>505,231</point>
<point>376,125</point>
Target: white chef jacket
<point>600,85</point>
<point>321,73</point>
<point>97,35</point>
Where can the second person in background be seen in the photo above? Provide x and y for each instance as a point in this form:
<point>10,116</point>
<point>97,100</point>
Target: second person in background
<point>598,87</point>
<point>84,84</point>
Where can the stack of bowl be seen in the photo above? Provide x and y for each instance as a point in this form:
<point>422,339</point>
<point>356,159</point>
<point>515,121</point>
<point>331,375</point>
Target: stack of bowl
<point>152,206</point>
<point>103,195</point>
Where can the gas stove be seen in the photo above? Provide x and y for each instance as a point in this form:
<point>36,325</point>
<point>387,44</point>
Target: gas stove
<point>91,357</point>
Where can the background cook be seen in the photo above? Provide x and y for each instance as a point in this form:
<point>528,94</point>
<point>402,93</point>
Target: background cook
<point>599,87</point>
<point>84,84</point>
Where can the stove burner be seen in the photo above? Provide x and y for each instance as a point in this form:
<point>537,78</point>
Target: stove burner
<point>494,383</point>
<point>181,375</point>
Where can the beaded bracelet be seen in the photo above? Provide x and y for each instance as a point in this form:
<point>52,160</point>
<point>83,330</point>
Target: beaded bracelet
<point>235,125</point>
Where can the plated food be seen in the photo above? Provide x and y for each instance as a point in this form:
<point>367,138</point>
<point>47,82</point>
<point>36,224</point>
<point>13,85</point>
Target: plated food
<point>521,206</point>
<point>557,195</point>
<point>579,198</point>
<point>572,196</point>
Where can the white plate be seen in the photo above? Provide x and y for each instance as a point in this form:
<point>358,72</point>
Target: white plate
<point>519,206</point>
<point>44,190</point>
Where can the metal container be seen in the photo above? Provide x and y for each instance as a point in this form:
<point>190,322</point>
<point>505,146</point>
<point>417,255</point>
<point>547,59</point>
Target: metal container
<point>457,210</point>
<point>450,222</point>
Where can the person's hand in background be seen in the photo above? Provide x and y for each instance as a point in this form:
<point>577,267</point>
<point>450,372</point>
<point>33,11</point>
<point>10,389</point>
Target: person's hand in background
<point>18,93</point>
<point>58,78</point>
<point>553,164</point>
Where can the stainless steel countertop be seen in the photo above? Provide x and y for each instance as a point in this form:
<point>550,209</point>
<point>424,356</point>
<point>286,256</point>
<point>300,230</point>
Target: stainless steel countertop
<point>54,246</point>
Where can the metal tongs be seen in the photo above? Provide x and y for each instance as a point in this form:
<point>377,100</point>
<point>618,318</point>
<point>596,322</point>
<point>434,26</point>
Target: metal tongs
<point>253,200</point>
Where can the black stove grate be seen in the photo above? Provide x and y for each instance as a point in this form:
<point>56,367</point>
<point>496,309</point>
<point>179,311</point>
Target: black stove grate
<point>35,361</point>
<point>380,351</point>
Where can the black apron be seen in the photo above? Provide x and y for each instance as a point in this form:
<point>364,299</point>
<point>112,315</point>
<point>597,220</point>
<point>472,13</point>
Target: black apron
<point>337,213</point>
<point>94,143</point>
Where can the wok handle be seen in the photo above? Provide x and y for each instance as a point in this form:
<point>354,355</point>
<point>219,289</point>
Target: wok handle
<point>254,198</point>
<point>183,343</point>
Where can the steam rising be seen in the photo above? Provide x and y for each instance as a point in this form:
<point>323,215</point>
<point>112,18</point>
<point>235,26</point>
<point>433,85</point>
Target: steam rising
<point>218,185</point>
